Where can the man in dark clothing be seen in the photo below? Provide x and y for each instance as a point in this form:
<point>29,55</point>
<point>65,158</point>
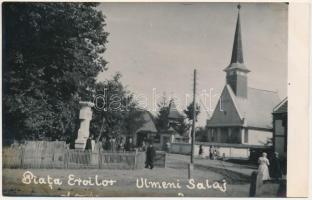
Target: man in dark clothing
<point>253,184</point>
<point>107,144</point>
<point>276,171</point>
<point>210,153</point>
<point>88,148</point>
<point>129,145</point>
<point>88,144</point>
<point>200,153</point>
<point>67,140</point>
<point>150,155</point>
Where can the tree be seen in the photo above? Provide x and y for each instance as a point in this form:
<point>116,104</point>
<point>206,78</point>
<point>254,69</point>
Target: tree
<point>182,126</point>
<point>189,111</point>
<point>162,121</point>
<point>116,112</point>
<point>52,53</point>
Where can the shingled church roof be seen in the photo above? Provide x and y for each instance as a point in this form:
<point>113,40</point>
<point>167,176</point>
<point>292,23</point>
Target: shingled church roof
<point>257,109</point>
<point>253,111</point>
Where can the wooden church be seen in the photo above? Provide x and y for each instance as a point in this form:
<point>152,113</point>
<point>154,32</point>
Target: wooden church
<point>243,115</point>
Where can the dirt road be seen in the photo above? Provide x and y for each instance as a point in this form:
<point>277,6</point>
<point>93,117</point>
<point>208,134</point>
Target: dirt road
<point>145,182</point>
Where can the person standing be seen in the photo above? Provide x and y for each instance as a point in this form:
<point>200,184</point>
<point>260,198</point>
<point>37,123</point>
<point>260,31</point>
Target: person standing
<point>263,170</point>
<point>210,152</point>
<point>150,155</point>
<point>88,149</point>
<point>253,184</point>
<point>108,146</point>
<point>92,144</point>
<point>168,146</point>
<point>200,152</point>
<point>215,154</point>
<point>120,146</point>
<point>113,144</point>
<point>129,145</point>
<point>276,171</point>
<point>103,141</point>
<point>88,146</point>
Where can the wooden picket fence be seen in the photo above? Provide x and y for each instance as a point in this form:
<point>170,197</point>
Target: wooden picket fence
<point>49,155</point>
<point>12,157</point>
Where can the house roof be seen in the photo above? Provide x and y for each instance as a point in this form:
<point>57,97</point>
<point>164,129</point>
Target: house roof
<point>149,124</point>
<point>281,107</point>
<point>173,112</point>
<point>256,109</point>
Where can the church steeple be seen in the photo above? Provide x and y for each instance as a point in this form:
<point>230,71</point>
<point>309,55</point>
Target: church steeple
<point>237,52</point>
<point>236,72</point>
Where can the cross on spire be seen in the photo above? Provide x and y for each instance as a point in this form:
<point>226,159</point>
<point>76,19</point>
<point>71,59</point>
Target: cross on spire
<point>238,6</point>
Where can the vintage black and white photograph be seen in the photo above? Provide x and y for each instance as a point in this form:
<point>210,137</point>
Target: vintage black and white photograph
<point>156,99</point>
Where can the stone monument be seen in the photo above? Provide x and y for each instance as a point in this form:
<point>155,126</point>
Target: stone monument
<point>85,117</point>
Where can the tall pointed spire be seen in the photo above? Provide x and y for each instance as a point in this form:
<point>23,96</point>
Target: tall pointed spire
<point>237,59</point>
<point>237,52</point>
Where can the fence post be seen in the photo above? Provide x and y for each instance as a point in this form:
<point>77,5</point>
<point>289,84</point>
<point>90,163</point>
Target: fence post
<point>53,160</point>
<point>165,159</point>
<point>135,158</point>
<point>65,158</point>
<point>22,157</point>
<point>99,158</point>
<point>230,152</point>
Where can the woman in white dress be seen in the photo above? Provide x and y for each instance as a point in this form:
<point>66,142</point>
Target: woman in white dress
<point>263,170</point>
<point>263,167</point>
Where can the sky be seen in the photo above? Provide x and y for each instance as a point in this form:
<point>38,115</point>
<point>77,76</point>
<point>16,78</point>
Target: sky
<point>156,47</point>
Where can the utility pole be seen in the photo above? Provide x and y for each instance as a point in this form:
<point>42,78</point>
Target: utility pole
<point>191,164</point>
